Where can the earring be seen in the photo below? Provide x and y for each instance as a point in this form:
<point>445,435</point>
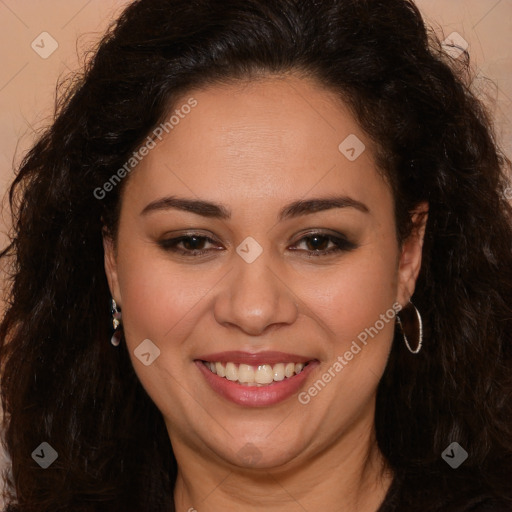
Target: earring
<point>116,322</point>
<point>412,318</point>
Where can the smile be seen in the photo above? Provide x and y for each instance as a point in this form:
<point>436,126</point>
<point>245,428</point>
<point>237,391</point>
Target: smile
<point>255,380</point>
<point>255,375</point>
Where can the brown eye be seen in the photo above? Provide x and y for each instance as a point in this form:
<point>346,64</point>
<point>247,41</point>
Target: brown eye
<point>191,245</point>
<point>323,244</point>
<point>317,242</point>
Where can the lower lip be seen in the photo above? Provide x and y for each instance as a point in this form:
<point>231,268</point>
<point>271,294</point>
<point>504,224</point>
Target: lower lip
<point>256,396</point>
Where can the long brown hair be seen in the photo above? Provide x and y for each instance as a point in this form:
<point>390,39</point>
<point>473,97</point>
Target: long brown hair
<point>61,380</point>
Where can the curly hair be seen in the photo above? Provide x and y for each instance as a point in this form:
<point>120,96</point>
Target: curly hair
<point>61,382</point>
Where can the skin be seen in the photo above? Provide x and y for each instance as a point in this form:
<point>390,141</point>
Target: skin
<point>256,147</point>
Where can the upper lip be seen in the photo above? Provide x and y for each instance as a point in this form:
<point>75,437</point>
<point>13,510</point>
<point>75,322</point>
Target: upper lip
<point>251,358</point>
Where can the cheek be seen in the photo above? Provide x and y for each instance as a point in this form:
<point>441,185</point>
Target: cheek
<point>158,298</point>
<point>360,290</point>
<point>161,303</point>
<point>355,303</point>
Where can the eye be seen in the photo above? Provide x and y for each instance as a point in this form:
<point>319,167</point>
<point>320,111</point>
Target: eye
<point>191,244</point>
<point>316,243</point>
<point>323,244</point>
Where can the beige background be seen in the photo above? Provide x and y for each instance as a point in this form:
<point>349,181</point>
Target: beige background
<point>27,81</point>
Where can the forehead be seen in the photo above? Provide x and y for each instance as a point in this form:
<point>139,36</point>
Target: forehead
<point>260,140</point>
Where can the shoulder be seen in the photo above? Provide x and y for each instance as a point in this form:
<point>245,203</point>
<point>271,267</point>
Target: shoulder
<point>489,505</point>
<point>430,505</point>
<point>404,496</point>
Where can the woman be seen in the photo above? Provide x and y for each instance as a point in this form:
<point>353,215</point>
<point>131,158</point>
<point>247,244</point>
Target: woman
<point>261,259</point>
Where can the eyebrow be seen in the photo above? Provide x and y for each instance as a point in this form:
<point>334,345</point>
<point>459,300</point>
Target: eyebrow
<point>219,211</point>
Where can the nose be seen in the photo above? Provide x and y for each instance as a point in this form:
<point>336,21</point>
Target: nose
<point>255,298</point>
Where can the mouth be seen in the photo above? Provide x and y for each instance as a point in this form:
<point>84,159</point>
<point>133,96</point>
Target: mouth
<point>255,380</point>
<point>254,375</point>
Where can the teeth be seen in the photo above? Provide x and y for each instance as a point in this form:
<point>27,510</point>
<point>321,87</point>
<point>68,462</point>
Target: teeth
<point>264,374</point>
<point>246,373</point>
<point>289,370</point>
<point>231,371</point>
<point>259,375</point>
<point>221,369</point>
<point>278,372</point>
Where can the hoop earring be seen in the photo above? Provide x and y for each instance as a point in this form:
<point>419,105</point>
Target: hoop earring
<point>116,323</point>
<point>414,318</point>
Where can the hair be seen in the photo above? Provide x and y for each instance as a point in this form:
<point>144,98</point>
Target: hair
<point>61,380</point>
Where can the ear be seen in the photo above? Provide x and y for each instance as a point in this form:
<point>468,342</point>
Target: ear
<point>410,257</point>
<point>110,260</point>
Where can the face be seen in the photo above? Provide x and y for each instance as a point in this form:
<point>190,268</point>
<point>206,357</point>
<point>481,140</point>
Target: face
<point>251,243</point>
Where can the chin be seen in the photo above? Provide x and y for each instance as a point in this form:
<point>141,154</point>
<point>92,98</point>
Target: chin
<point>260,453</point>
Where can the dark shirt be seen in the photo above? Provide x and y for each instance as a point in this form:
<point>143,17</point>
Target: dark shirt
<point>400,498</point>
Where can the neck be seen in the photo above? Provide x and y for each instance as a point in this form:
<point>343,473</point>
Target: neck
<point>348,474</point>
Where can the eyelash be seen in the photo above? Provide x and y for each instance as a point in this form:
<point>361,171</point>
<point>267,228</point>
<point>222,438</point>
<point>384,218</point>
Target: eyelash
<point>341,245</point>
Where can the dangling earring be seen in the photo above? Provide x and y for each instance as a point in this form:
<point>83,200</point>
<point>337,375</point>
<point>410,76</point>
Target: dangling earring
<point>116,322</point>
<point>412,318</point>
